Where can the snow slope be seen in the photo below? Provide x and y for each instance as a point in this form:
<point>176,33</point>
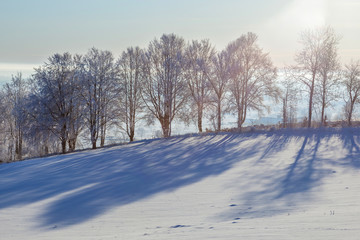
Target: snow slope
<point>294,184</point>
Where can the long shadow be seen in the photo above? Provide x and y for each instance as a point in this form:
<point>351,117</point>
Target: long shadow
<point>301,175</point>
<point>289,185</point>
<point>351,141</point>
<point>278,142</point>
<point>78,187</point>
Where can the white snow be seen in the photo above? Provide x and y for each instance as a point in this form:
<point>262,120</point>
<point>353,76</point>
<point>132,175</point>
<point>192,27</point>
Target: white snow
<point>293,184</point>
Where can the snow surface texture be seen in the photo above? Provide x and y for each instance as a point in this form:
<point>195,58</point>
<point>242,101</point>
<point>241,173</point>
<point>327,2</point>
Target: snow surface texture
<point>294,184</point>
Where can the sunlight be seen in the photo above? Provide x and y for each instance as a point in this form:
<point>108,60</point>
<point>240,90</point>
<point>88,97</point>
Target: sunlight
<point>302,14</point>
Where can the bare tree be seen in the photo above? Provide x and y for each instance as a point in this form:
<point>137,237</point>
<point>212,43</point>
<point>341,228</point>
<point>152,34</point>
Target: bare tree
<point>289,98</point>
<point>16,93</point>
<point>4,156</point>
<point>8,128</point>
<point>199,55</point>
<point>310,60</point>
<point>164,89</point>
<point>219,77</point>
<point>53,96</point>
<point>252,76</point>
<point>329,71</point>
<point>351,80</point>
<point>76,121</point>
<point>43,140</point>
<point>130,66</point>
<point>100,91</point>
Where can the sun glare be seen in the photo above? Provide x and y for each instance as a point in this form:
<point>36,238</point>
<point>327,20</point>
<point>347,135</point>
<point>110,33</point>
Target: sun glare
<point>303,14</point>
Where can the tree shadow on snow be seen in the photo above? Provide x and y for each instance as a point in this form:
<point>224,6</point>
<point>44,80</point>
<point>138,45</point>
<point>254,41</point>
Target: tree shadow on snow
<point>80,186</point>
<point>351,142</point>
<point>297,182</point>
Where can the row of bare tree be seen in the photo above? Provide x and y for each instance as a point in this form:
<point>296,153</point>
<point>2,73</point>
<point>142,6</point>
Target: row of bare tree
<point>319,74</point>
<point>70,95</point>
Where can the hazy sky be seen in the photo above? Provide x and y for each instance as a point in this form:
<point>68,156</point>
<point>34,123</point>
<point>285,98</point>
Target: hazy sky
<point>32,30</point>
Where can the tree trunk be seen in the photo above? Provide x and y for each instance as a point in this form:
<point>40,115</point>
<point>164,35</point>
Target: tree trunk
<point>323,104</point>
<point>63,139</point>
<point>311,101</point>
<point>46,149</point>
<point>102,141</point>
<point>323,114</point>
<point>72,144</point>
<point>350,112</point>
<point>219,116</point>
<point>132,134</point>
<point>239,120</point>
<point>102,132</point>
<point>63,145</point>
<point>19,156</point>
<point>310,113</point>
<point>200,120</point>
<point>18,146</point>
<point>93,138</point>
<point>131,137</point>
<point>241,109</point>
<point>10,151</point>
<point>165,124</point>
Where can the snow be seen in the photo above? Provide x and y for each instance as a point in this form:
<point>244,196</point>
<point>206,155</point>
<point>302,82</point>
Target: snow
<point>286,184</point>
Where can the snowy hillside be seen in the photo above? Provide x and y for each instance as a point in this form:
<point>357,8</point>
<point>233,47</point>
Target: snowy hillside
<point>294,184</point>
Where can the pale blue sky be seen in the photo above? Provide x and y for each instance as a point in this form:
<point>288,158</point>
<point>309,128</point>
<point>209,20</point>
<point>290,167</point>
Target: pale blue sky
<point>31,31</point>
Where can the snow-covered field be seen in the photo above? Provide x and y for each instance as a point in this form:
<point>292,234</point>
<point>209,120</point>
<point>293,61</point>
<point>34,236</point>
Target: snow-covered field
<point>294,184</point>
